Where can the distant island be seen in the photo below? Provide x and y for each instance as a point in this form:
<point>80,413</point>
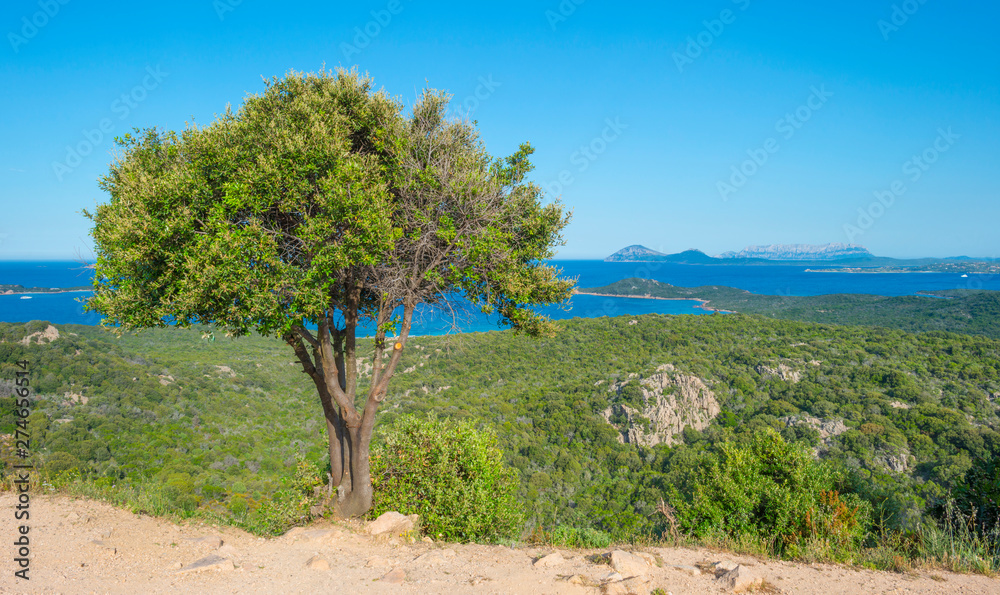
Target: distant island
<point>801,252</point>
<point>17,289</point>
<point>839,258</point>
<point>972,312</point>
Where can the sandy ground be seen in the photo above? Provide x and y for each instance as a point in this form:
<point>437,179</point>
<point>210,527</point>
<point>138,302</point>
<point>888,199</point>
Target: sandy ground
<point>82,546</point>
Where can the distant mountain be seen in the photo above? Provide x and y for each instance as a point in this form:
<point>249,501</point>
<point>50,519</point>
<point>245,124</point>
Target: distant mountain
<point>637,253</point>
<point>786,252</point>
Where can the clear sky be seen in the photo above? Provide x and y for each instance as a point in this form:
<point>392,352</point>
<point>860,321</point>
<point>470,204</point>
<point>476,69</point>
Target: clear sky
<point>676,125</point>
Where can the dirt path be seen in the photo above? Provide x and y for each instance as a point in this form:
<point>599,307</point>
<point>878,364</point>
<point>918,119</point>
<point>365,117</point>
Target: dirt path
<point>81,546</point>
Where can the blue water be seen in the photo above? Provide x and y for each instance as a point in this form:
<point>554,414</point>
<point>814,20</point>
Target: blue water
<point>65,308</point>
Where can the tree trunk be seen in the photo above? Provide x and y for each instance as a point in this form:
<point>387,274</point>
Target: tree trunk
<point>356,500</point>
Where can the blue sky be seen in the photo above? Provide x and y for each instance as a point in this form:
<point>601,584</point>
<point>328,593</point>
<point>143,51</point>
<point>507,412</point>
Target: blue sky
<point>676,125</point>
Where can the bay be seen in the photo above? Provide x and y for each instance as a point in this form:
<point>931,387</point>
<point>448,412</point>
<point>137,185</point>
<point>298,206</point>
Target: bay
<point>66,308</point>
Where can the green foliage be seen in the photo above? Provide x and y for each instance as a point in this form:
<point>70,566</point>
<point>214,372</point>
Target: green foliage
<point>581,538</point>
<point>451,474</point>
<point>772,491</point>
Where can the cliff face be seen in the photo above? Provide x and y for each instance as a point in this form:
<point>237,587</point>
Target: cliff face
<point>801,252</point>
<point>671,402</point>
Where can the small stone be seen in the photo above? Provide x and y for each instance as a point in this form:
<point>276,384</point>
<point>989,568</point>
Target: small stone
<point>724,566</point>
<point>72,517</point>
<point>739,579</point>
<point>628,564</point>
<point>636,585</point>
<point>427,539</point>
<point>396,576</point>
<point>687,569</point>
<point>317,563</point>
<point>105,534</point>
<point>577,579</point>
<point>176,566</point>
<point>376,562</point>
<point>392,524</point>
<point>549,561</point>
<point>212,562</point>
<point>611,577</point>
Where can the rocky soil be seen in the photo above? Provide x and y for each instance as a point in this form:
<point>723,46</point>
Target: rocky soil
<point>82,546</point>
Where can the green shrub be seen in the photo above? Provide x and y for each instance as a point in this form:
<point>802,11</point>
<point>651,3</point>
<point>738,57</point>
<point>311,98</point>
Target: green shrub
<point>773,492</point>
<point>449,473</point>
<point>582,538</point>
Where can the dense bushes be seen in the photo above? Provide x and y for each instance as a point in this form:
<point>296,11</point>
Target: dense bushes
<point>451,474</point>
<point>773,492</point>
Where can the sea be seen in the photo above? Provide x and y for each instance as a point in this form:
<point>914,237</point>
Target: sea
<point>68,308</point>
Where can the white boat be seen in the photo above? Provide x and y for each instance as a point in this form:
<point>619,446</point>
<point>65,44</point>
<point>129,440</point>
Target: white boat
<point>964,276</point>
<point>25,297</point>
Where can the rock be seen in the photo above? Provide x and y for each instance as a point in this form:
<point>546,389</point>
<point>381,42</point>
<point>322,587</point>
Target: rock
<point>611,577</point>
<point>549,561</point>
<point>783,372</point>
<point>724,566</point>
<point>392,524</point>
<point>396,576</point>
<point>671,401</point>
<point>426,539</point>
<point>649,558</point>
<point>211,542</point>
<point>578,579</point>
<point>628,564</point>
<point>376,562</point>
<point>317,563</point>
<point>687,569</point>
<point>636,585</point>
<point>176,566</point>
<point>739,579</point>
<point>105,534</point>
<point>211,562</point>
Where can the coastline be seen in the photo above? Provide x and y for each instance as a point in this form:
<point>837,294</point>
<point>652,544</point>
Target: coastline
<point>702,303</point>
<point>46,292</point>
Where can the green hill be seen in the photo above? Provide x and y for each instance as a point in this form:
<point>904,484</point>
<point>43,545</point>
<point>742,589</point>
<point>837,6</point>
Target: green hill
<point>974,312</point>
<point>180,423</point>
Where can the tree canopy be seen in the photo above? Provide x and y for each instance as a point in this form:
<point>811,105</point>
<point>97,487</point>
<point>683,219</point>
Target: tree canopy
<point>320,205</point>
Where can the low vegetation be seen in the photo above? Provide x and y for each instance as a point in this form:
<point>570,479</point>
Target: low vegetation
<point>872,446</point>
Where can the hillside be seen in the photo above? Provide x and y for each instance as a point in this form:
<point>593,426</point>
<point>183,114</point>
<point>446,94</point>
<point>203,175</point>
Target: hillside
<point>170,421</point>
<point>960,311</point>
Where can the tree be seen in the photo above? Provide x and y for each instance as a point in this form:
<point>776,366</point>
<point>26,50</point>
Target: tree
<point>315,208</point>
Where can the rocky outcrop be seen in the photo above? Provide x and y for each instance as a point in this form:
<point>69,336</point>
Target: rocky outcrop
<point>671,401</point>
<point>782,371</point>
<point>49,335</point>
<point>827,428</point>
<point>895,459</point>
